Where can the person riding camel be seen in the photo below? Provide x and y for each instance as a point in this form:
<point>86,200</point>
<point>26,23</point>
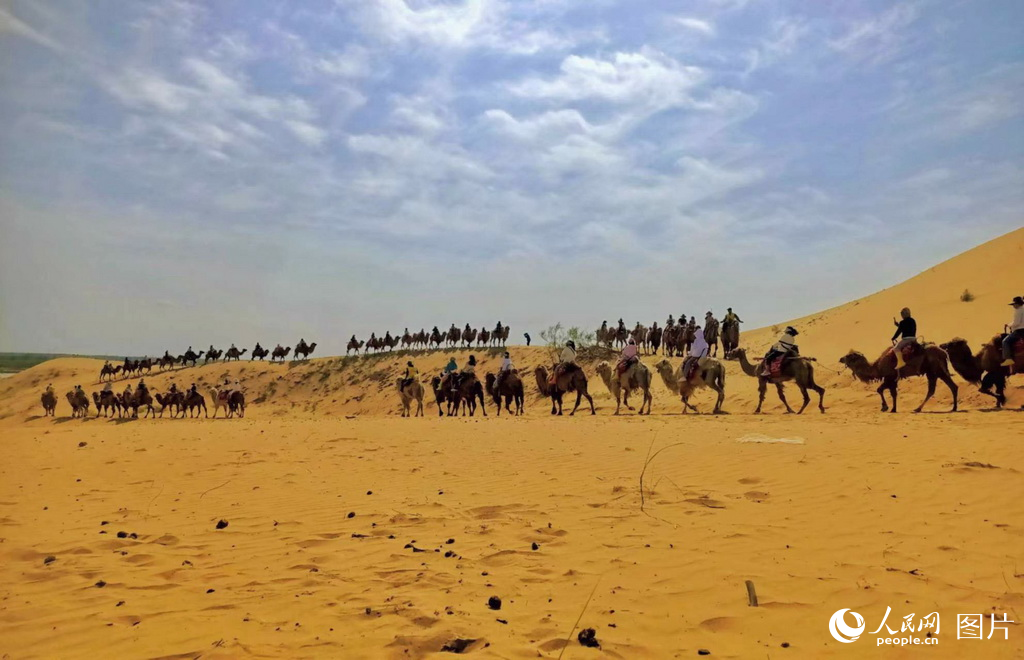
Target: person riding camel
<point>906,328</point>
<point>193,390</point>
<point>447,374</point>
<point>1015,331</point>
<point>785,347</point>
<point>698,355</point>
<point>142,387</point>
<point>504,370</point>
<point>567,359</point>
<point>258,349</point>
<point>107,388</point>
<point>411,374</point>
<point>49,388</point>
<point>731,317</point>
<point>173,389</point>
<point>670,322</point>
<point>630,355</point>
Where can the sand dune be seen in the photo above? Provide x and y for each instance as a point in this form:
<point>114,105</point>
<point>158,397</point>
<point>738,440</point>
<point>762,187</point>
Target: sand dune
<point>353,533</point>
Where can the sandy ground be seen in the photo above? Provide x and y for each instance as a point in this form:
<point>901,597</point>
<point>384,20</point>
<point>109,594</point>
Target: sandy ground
<point>352,533</point>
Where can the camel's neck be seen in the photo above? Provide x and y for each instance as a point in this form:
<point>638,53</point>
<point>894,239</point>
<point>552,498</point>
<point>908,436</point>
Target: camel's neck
<point>671,382</point>
<point>606,376</point>
<point>863,370</point>
<point>745,365</point>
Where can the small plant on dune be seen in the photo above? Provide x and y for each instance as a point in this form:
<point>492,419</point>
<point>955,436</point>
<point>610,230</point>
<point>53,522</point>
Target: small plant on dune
<point>967,296</point>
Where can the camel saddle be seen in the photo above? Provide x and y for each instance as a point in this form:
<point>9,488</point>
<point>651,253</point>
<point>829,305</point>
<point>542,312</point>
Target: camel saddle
<point>560,370</point>
<point>910,351</point>
<point>773,367</point>
<point>691,368</point>
<point>623,365</point>
<point>224,395</point>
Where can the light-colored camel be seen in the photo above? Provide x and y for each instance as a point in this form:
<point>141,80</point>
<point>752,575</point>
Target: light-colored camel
<point>932,362</point>
<point>799,370</point>
<point>712,375</point>
<point>638,377</point>
<point>79,404</point>
<point>219,401</point>
<point>411,392</point>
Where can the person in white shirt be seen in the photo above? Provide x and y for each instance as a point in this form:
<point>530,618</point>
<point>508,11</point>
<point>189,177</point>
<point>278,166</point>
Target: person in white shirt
<point>567,360</point>
<point>786,345</point>
<point>505,369</point>
<point>1016,331</point>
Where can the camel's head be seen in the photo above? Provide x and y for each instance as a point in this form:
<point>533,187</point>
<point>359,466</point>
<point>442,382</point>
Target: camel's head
<point>604,369</point>
<point>735,354</point>
<point>664,367</point>
<point>852,359</point>
<point>956,345</point>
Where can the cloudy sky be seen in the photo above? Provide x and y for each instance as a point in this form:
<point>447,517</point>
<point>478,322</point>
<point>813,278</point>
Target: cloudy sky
<point>177,173</point>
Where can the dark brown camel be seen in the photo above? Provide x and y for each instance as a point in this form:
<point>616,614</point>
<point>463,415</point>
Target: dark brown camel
<point>79,404</point>
<point>353,345</point>
<point>169,400</point>
<point>932,363</point>
<point>442,395</point>
<point>259,353</point>
<point>49,401</point>
<point>304,350</point>
<point>799,370</point>
<point>280,353</point>
<point>984,368</point>
<point>234,354</point>
<point>107,402</point>
<point>572,380</point>
<point>511,389</point>
<point>730,336</point>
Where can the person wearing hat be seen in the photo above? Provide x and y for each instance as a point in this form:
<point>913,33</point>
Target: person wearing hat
<point>1016,331</point>
<point>906,328</point>
<point>411,374</point>
<point>785,346</point>
<point>731,317</point>
<point>630,354</point>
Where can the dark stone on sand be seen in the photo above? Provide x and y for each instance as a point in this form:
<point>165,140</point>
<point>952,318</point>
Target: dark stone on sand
<point>703,652</point>
<point>101,584</point>
<point>82,443</point>
<point>502,621</point>
<point>457,646</point>
<point>449,554</point>
<point>122,535</point>
<point>209,591</point>
<point>785,645</point>
<point>50,560</point>
<point>221,524</point>
<point>359,536</point>
<point>450,541</point>
<point>588,638</point>
<point>351,514</point>
<point>104,522</point>
<point>494,603</point>
<point>369,492</point>
<point>535,546</point>
<point>119,603</point>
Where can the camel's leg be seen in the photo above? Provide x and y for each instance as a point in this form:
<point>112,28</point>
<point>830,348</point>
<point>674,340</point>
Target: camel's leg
<point>881,392</point>
<point>721,399</point>
<point>618,403</point>
<point>762,388</point>
<point>932,380</point>
<point>782,397</point>
<point>953,389</point>
<point>591,400</point>
<point>648,399</point>
<point>892,391</point>
<point>807,398</point>
<point>483,405</point>
<point>579,397</point>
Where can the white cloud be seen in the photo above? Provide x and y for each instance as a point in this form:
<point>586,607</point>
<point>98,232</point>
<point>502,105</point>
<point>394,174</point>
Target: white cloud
<point>12,24</point>
<point>878,38</point>
<point>696,24</point>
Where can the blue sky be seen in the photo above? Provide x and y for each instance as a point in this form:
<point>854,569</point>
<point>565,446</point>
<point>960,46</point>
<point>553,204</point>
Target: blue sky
<point>177,173</point>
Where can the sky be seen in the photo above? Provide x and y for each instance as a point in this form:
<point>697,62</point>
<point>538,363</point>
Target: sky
<point>184,173</point>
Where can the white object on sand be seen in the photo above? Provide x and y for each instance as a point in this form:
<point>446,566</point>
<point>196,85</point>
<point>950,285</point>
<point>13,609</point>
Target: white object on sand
<point>757,437</point>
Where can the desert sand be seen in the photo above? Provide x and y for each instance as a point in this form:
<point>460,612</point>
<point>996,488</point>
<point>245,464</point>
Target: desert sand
<point>353,533</point>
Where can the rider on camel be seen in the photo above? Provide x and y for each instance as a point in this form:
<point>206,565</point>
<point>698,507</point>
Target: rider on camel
<point>1016,331</point>
<point>906,328</point>
<point>785,346</point>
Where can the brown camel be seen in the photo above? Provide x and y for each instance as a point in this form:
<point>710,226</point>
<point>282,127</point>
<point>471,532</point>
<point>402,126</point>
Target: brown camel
<point>353,345</point>
<point>442,395</point>
<point>483,337</point>
<point>409,393</point>
<point>106,401</point>
<point>511,389</point>
<point>236,404</point>
<point>305,350</point>
<point>138,399</point>
<point>571,380</point>
<point>192,401</point>
<point>730,336</point>
<point>169,400</point>
<point>234,354</point>
<point>638,378</point>
<point>79,404</point>
<point>280,353</point>
<point>258,353</point>
<point>712,375</point>
<point>467,393</point>
<point>984,368</point>
<point>799,370</point>
<point>932,363</point>
<point>49,401</point>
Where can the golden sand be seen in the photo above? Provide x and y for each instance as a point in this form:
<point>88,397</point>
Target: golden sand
<point>352,533</point>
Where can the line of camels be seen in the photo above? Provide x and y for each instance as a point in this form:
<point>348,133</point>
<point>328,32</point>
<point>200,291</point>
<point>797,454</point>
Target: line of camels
<point>929,360</point>
<point>453,337</point>
<point>128,403</point>
<point>131,368</point>
<point>675,339</point>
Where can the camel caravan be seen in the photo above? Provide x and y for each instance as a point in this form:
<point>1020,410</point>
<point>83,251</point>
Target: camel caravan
<point>135,368</point>
<point>467,337</point>
<point>458,390</point>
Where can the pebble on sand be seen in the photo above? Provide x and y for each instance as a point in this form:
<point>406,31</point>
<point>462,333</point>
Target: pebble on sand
<point>494,603</point>
<point>588,638</point>
<point>221,524</point>
<point>50,559</point>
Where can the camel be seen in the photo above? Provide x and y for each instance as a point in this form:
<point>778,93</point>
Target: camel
<point>213,354</point>
<point>469,336</point>
<point>730,337</point>
<point>511,389</point>
<point>466,394</point>
<point>711,335</point>
<point>654,339</point>
<point>79,404</point>
<point>483,338</point>
<point>106,401</point>
<point>259,353</point>
<point>799,370</point>
<point>107,371</point>
<point>932,363</point>
<point>49,401</point>
<point>984,368</point>
<point>407,339</point>
<point>280,353</point>
<point>639,378</point>
<point>442,395</point>
<point>165,362</point>
<point>711,375</point>
<point>192,401</point>
<point>236,404</point>
<point>567,381</point>
<point>167,401</point>
<point>454,335</point>
<point>305,349</point>
<point>139,399</point>
<point>411,392</point>
<point>354,345</point>
<point>219,400</point>
<point>234,354</point>
<point>437,338</point>
<point>189,356</point>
